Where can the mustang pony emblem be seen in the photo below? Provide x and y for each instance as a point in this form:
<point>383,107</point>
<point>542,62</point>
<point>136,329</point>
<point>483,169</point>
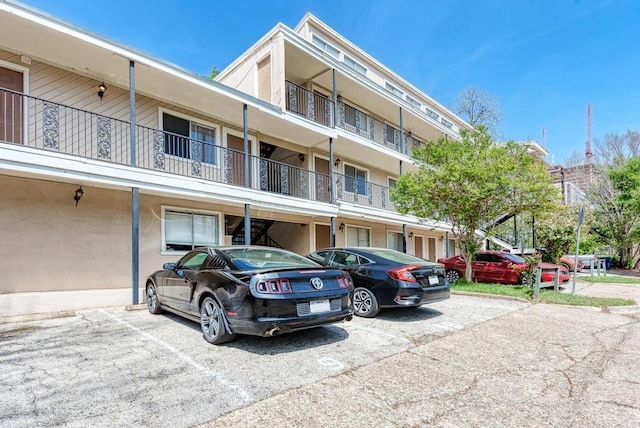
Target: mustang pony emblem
<point>316,283</point>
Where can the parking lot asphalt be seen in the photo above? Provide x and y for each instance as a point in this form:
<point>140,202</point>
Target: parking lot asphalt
<point>112,367</point>
<point>468,361</point>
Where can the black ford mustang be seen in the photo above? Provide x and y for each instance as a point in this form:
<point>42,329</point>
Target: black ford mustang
<point>250,290</point>
<point>386,278</point>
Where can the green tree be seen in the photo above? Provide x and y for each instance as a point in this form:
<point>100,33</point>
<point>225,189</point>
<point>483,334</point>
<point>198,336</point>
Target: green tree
<point>214,72</point>
<point>616,200</point>
<point>471,182</point>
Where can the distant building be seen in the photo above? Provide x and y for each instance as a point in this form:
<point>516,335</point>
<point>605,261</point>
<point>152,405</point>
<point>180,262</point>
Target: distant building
<point>574,181</point>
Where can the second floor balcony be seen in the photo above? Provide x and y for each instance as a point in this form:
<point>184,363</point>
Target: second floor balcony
<point>320,109</point>
<point>48,126</point>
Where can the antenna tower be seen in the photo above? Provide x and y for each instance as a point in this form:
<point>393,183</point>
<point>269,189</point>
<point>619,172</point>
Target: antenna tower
<point>587,151</point>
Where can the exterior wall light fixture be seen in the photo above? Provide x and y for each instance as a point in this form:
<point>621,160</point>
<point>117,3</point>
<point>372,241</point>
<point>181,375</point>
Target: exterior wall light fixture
<point>78,195</point>
<point>341,227</point>
<point>101,90</point>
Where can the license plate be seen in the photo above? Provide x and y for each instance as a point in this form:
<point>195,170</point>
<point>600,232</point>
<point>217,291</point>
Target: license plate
<point>316,306</point>
<point>433,280</point>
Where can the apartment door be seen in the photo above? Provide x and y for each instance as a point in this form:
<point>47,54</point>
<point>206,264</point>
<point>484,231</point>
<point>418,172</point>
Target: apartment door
<point>418,242</point>
<point>234,161</point>
<point>11,106</point>
<point>321,167</point>
<point>323,236</point>
<point>433,256</point>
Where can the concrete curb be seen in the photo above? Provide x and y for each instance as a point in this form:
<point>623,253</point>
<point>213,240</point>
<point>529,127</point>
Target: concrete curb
<point>36,317</point>
<point>491,296</point>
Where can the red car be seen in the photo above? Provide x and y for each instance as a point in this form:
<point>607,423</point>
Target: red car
<point>498,267</point>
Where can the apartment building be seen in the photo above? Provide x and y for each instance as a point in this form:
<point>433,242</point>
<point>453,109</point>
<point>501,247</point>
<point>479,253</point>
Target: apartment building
<point>113,162</point>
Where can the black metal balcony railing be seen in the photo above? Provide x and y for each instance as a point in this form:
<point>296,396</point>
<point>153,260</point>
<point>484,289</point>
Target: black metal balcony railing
<point>358,122</point>
<point>63,129</point>
<point>315,107</point>
<point>362,192</point>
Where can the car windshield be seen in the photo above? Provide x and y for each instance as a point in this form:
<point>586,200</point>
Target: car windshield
<point>260,258</point>
<point>515,259</point>
<point>395,256</point>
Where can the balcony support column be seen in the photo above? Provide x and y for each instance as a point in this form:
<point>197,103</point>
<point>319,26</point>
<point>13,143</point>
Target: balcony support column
<point>331,195</point>
<point>404,238</point>
<point>400,168</point>
<point>446,244</point>
<point>247,184</point>
<point>335,99</point>
<point>403,143</point>
<point>333,232</point>
<point>135,196</point>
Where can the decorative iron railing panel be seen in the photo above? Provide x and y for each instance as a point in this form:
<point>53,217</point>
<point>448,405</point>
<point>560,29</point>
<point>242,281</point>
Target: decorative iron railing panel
<point>361,192</point>
<point>309,104</point>
<point>360,123</point>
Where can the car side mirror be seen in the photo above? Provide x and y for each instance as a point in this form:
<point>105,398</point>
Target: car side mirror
<point>169,266</point>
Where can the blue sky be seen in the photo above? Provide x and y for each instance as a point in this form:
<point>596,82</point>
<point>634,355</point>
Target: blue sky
<point>544,59</point>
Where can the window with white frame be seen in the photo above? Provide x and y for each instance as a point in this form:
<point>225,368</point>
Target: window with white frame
<point>356,180</point>
<point>358,236</point>
<point>355,118</point>
<point>395,241</point>
<point>415,103</point>
<point>395,91</point>
<point>352,63</point>
<point>188,139</point>
<point>446,123</point>
<point>432,114</point>
<point>185,230</point>
<point>326,47</point>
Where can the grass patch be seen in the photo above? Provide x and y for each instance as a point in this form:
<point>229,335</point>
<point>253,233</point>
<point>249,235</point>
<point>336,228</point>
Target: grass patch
<point>610,279</point>
<point>545,296</point>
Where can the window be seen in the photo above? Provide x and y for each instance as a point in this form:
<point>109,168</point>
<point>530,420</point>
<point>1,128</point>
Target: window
<point>186,139</point>
<point>432,114</point>
<point>184,230</point>
<point>343,258</point>
<point>395,91</point>
<point>392,182</point>
<point>355,118</point>
<point>390,134</point>
<point>192,261</point>
<point>358,237</point>
<point>355,65</point>
<point>356,180</point>
<point>324,46</point>
<point>395,241</point>
<point>446,123</point>
<point>417,104</point>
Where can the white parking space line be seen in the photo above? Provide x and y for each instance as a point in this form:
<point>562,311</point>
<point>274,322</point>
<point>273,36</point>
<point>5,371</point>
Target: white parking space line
<point>206,370</point>
<point>380,333</point>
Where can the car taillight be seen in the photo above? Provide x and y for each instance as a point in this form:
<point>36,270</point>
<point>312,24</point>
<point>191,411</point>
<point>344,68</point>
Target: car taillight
<point>403,273</point>
<point>275,286</point>
<point>344,281</point>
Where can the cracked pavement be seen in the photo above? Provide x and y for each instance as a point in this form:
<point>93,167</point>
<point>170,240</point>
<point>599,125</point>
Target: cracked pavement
<point>540,366</point>
<point>467,361</point>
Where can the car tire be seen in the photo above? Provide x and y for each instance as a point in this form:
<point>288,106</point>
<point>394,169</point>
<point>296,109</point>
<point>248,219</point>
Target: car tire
<point>453,275</point>
<point>365,303</point>
<point>526,281</point>
<point>153,302</point>
<point>212,323</point>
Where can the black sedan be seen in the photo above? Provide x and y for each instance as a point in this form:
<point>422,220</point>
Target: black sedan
<point>252,290</point>
<point>386,278</point>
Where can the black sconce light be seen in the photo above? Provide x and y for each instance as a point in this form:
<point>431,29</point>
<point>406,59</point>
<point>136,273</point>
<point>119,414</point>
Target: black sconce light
<point>301,157</point>
<point>336,163</point>
<point>441,238</point>
<point>78,195</point>
<point>341,227</point>
<point>410,235</point>
<point>101,90</point>
<point>339,98</point>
